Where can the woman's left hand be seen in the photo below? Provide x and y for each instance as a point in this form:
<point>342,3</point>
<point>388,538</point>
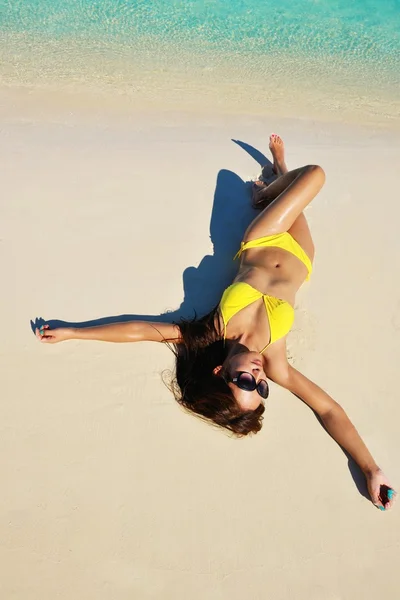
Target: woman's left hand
<point>380,490</point>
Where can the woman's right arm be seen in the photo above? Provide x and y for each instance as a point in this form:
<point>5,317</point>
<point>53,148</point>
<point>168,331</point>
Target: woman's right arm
<point>132,331</point>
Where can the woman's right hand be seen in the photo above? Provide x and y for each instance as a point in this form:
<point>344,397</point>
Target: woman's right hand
<point>52,336</point>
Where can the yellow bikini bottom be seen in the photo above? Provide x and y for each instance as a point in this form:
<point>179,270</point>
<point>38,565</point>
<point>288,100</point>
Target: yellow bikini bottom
<point>281,240</point>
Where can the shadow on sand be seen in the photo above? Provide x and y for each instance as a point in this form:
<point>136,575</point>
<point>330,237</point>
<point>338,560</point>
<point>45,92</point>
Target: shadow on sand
<point>203,285</point>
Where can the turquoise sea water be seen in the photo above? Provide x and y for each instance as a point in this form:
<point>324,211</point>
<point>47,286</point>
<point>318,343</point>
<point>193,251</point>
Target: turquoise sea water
<point>361,29</point>
<point>359,40</point>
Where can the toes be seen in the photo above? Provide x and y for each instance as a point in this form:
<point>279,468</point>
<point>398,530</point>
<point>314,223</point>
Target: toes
<point>275,139</point>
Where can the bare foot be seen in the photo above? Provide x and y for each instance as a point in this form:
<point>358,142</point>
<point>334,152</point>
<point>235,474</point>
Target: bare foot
<point>259,185</point>
<point>257,196</point>
<point>277,148</point>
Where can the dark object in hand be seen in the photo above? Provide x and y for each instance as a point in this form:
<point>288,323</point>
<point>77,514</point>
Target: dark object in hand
<point>384,494</point>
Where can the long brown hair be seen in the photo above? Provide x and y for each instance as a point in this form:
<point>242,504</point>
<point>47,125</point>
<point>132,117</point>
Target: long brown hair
<point>197,388</point>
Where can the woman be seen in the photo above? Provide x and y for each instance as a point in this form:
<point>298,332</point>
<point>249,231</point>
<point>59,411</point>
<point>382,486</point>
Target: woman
<point>223,360</point>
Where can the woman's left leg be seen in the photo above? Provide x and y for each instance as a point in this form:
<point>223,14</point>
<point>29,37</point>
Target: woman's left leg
<point>264,194</point>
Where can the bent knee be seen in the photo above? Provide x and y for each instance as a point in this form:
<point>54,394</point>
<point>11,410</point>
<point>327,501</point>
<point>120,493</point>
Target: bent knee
<point>317,171</point>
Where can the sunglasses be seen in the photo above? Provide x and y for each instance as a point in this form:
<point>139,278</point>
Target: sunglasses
<point>246,381</point>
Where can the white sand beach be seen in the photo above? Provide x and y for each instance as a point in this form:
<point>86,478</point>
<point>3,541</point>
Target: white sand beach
<point>111,491</point>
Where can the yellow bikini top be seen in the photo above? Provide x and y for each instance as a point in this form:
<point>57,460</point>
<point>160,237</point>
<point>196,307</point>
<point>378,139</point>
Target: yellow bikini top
<point>279,312</point>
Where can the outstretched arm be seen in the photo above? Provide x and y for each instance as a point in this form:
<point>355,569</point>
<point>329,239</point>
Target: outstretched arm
<point>339,426</point>
<point>132,331</point>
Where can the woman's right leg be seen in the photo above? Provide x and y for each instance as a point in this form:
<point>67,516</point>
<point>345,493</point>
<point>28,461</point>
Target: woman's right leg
<point>261,198</point>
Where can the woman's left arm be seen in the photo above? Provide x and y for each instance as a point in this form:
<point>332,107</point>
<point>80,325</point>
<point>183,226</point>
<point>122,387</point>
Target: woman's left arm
<point>339,426</point>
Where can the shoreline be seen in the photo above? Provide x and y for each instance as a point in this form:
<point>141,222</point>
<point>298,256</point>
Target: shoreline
<point>282,85</point>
